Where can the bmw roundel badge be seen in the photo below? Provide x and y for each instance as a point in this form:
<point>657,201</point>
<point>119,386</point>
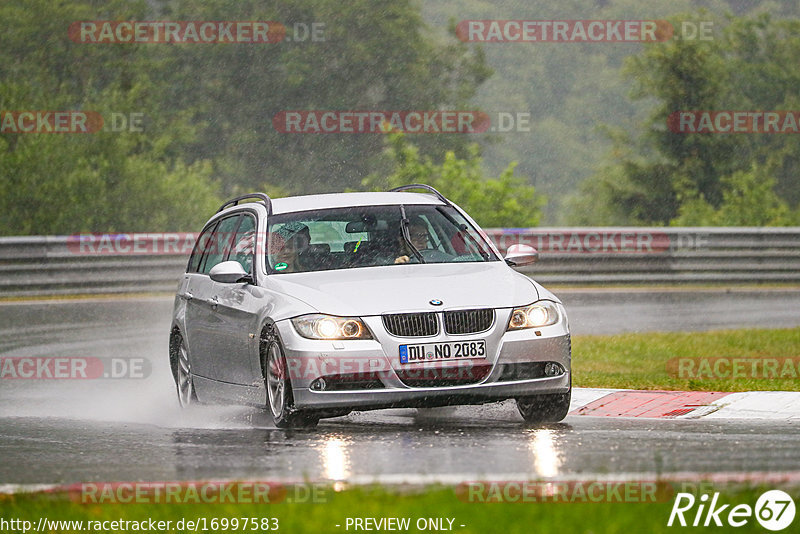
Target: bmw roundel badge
<point>436,302</point>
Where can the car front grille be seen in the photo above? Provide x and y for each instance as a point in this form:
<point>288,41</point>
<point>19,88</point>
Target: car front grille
<point>438,377</point>
<point>468,321</point>
<point>411,324</point>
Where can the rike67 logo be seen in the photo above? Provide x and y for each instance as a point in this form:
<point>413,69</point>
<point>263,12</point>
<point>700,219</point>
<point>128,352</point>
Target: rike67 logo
<point>774,510</point>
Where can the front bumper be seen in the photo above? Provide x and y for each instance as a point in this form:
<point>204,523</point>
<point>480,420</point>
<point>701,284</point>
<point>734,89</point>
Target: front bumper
<point>308,360</point>
<point>408,397</point>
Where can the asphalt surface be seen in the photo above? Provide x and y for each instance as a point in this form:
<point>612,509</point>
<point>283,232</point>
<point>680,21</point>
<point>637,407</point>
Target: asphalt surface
<point>59,431</point>
<point>485,442</point>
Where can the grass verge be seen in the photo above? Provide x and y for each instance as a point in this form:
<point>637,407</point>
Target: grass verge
<point>725,360</point>
<point>451,509</point>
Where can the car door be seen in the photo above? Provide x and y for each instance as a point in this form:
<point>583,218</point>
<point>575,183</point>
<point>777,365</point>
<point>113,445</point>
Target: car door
<point>237,307</point>
<point>193,286</point>
<point>203,328</point>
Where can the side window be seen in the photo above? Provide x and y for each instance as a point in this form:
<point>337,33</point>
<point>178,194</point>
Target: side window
<point>220,244</point>
<point>244,243</point>
<point>200,248</point>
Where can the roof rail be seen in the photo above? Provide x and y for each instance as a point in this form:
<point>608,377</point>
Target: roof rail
<point>261,196</point>
<point>421,186</point>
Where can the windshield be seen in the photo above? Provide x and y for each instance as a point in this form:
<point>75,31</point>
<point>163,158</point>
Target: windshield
<point>369,236</point>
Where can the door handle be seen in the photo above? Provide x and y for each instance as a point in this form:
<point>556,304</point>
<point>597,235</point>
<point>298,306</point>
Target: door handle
<point>214,301</point>
<point>187,296</point>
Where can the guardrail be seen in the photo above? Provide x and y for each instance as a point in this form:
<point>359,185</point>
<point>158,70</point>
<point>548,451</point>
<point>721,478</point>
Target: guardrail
<point>137,263</point>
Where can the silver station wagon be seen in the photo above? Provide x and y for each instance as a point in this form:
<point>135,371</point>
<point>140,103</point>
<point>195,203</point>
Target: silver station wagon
<point>314,306</point>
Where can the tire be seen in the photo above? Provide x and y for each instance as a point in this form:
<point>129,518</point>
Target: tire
<point>545,408</point>
<point>277,382</point>
<point>182,372</point>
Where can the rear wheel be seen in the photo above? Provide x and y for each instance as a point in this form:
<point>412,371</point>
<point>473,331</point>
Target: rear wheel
<point>279,386</point>
<point>544,408</point>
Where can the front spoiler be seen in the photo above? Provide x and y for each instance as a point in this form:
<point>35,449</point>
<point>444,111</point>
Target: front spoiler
<point>430,397</point>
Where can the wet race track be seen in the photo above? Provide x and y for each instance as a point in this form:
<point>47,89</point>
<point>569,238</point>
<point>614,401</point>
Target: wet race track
<point>57,431</point>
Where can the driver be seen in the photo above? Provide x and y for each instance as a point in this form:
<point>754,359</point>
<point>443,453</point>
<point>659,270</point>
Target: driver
<point>418,234</point>
<point>287,246</point>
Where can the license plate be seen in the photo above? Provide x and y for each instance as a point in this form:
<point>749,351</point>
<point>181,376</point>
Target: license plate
<point>451,350</point>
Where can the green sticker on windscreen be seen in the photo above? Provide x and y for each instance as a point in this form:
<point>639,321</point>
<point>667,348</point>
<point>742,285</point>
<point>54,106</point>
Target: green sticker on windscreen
<point>280,266</point>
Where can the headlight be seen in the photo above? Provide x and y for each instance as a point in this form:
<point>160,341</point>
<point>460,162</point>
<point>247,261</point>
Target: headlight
<point>542,313</point>
<point>318,326</point>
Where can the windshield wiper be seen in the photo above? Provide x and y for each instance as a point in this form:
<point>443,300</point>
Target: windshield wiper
<point>404,223</point>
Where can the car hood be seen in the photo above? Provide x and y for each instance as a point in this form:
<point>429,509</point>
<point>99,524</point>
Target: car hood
<point>403,288</point>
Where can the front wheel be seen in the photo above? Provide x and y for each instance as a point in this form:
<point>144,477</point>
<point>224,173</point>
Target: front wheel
<point>182,373</point>
<point>279,386</point>
<point>544,408</point>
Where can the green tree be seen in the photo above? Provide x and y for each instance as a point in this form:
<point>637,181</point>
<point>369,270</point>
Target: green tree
<point>104,181</point>
<point>376,55</point>
<point>748,199</point>
<point>661,177</point>
<point>505,201</point>
<point>208,108</point>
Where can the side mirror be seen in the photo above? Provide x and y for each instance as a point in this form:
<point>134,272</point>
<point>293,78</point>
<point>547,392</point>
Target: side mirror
<point>229,272</point>
<point>517,255</point>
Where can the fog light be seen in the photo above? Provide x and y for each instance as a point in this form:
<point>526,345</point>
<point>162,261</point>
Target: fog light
<point>318,385</point>
<point>552,369</point>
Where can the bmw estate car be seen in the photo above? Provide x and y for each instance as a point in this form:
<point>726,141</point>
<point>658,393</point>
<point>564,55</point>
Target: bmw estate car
<point>315,306</point>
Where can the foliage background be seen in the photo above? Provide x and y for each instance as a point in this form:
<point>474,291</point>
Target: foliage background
<point>598,152</point>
